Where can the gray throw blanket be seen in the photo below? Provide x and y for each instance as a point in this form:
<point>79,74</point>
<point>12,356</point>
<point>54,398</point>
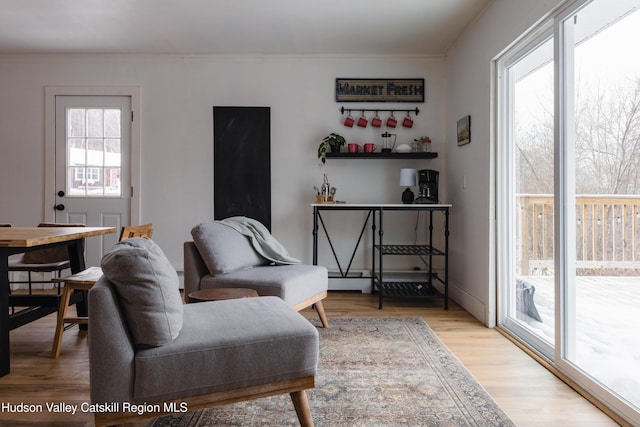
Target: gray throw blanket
<point>263,242</point>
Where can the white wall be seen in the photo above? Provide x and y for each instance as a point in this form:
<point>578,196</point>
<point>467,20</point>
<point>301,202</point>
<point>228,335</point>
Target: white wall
<point>469,91</point>
<point>177,96</point>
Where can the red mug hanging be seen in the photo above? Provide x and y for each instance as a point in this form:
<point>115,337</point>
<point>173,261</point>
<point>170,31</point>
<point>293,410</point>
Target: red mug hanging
<point>376,121</point>
<point>391,121</point>
<point>407,122</point>
<point>348,121</point>
<point>362,121</point>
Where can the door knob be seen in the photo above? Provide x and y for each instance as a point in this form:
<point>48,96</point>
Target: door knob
<point>59,207</point>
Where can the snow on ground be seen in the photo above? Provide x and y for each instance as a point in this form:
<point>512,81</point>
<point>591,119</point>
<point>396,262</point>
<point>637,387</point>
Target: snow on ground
<point>607,328</point>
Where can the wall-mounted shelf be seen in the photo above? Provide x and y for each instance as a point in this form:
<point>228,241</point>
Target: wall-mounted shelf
<point>346,155</point>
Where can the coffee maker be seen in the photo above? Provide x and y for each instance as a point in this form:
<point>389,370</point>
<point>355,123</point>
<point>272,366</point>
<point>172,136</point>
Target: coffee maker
<point>427,186</point>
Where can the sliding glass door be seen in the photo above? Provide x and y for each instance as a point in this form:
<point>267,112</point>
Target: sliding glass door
<point>569,196</point>
<point>600,291</point>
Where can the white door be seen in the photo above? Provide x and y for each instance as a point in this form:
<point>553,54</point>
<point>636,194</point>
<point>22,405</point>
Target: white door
<point>92,172</point>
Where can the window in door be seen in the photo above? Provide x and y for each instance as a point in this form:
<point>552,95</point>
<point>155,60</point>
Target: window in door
<point>94,150</point>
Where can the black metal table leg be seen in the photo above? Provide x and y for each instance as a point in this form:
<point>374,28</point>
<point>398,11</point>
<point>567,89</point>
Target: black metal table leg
<point>315,235</point>
<point>5,365</point>
<point>446,259</point>
<point>380,278</point>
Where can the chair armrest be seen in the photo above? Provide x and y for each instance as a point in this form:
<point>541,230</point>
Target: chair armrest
<point>194,268</point>
<point>111,351</point>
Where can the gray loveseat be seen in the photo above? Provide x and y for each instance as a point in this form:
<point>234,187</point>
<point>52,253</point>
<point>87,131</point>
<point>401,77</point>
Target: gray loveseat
<point>146,346</point>
<point>221,257</point>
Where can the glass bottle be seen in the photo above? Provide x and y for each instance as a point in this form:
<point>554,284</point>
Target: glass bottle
<point>325,189</point>
<point>426,144</point>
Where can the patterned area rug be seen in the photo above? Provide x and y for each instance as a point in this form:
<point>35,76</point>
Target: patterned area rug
<point>372,372</point>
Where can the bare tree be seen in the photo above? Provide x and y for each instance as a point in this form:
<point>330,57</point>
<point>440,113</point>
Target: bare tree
<point>607,129</point>
<point>534,145</point>
<point>608,139</point>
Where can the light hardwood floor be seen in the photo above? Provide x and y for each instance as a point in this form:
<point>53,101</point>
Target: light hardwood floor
<point>525,390</point>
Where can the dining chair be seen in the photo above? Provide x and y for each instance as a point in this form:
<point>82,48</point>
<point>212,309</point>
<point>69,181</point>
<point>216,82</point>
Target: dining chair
<point>52,260</point>
<point>130,231</point>
<point>83,281</point>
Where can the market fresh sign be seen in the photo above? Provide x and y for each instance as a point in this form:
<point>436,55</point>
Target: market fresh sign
<point>379,90</point>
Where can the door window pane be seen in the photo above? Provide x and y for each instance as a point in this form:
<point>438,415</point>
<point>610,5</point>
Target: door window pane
<point>603,336</point>
<point>94,152</point>
<point>112,152</point>
<point>532,146</point>
<point>94,122</point>
<point>76,122</point>
<point>112,126</point>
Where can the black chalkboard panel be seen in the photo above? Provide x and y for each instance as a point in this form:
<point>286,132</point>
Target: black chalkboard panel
<point>242,163</point>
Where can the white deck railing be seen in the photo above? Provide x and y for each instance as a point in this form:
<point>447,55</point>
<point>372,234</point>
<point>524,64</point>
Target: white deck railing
<point>607,233</point>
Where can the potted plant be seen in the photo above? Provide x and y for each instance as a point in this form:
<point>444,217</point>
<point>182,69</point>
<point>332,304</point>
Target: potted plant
<point>332,142</point>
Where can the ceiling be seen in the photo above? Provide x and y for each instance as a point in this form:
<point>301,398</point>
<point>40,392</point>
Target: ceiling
<point>284,27</point>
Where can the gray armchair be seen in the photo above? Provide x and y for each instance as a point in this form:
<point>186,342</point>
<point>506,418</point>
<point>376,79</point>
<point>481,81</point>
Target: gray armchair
<point>221,257</point>
<point>145,346</point>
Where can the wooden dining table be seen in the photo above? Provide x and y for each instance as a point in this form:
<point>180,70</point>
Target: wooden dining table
<point>15,240</point>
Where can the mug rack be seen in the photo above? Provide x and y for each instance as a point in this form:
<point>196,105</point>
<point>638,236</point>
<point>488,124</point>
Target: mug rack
<point>378,110</point>
<point>392,122</point>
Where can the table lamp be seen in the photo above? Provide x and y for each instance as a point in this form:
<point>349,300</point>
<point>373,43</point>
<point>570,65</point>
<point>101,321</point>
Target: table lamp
<point>407,179</point>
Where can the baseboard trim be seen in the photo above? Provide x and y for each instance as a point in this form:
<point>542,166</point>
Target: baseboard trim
<point>358,280</point>
<point>471,304</point>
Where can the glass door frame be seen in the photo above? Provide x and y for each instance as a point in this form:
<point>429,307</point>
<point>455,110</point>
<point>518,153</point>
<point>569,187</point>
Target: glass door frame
<point>505,180</point>
<point>564,200</point>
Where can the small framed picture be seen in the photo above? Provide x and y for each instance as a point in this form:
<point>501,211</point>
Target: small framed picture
<point>464,130</point>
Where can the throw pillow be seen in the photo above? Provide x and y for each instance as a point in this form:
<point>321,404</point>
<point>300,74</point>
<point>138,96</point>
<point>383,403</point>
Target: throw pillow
<point>223,249</point>
<point>148,288</point>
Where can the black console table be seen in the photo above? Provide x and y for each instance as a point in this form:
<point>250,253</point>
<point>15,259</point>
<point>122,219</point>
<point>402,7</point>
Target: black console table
<point>382,282</point>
